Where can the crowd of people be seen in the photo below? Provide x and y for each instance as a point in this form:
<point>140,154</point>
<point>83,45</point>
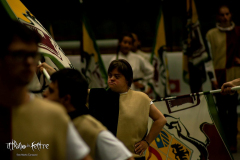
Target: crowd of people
<point>72,121</point>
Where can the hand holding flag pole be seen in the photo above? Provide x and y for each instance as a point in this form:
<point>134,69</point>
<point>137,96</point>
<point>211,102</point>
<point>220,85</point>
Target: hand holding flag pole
<point>45,73</point>
<point>200,93</point>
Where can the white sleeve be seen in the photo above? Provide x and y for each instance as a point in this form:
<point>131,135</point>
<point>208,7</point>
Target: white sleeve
<point>76,147</point>
<point>113,58</point>
<point>209,65</point>
<point>110,148</point>
<point>147,69</point>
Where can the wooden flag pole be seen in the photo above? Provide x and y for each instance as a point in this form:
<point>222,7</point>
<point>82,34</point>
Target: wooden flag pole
<point>199,93</point>
<point>45,72</point>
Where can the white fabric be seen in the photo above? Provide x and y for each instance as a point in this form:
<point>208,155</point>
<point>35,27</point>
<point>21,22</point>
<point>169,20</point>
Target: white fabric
<point>209,64</point>
<point>224,29</point>
<point>141,68</point>
<point>110,148</point>
<point>76,148</point>
<point>143,54</point>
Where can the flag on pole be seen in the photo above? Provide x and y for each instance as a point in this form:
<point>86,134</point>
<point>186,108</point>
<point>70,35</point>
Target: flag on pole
<point>193,130</point>
<point>92,65</point>
<point>160,82</point>
<point>194,50</point>
<point>49,49</point>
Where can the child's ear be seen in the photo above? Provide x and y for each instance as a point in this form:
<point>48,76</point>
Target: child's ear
<point>66,99</point>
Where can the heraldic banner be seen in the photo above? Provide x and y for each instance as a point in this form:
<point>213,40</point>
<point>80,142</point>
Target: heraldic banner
<point>192,132</point>
<point>52,53</point>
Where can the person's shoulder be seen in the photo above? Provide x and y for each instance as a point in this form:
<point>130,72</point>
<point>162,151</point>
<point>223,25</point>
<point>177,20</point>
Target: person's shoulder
<point>47,107</point>
<point>133,54</point>
<point>212,30</point>
<point>139,94</point>
<point>141,52</point>
<point>97,90</point>
<point>136,56</point>
<point>87,118</point>
<point>89,122</point>
<point>113,57</point>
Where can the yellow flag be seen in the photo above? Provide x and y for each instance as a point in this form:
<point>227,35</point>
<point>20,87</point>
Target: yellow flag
<point>160,83</point>
<point>94,66</point>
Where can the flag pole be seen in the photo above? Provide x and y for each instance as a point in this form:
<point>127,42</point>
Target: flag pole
<point>198,93</point>
<point>45,73</point>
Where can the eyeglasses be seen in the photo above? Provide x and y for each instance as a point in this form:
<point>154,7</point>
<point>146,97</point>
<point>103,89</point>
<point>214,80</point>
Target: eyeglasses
<point>23,55</point>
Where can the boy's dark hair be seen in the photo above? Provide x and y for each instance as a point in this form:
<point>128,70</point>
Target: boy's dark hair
<point>221,6</point>
<point>72,82</point>
<point>15,29</point>
<point>125,34</point>
<point>123,67</point>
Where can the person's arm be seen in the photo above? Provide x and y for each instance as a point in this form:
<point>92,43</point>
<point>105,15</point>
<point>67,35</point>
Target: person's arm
<point>147,69</point>
<point>47,67</point>
<point>226,87</point>
<point>109,147</point>
<point>76,147</point>
<point>157,126</point>
<point>210,68</point>
<point>88,157</point>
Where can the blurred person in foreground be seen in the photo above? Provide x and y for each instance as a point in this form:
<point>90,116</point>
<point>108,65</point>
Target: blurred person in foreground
<point>31,127</point>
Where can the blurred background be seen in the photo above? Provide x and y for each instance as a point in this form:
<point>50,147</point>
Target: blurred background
<point>109,18</point>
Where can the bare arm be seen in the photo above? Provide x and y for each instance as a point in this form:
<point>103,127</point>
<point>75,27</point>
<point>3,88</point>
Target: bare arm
<point>48,68</point>
<point>157,126</point>
<point>88,157</point>
<point>226,87</point>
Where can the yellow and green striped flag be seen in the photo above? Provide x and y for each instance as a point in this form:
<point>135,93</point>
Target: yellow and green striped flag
<point>93,67</point>
<point>160,83</point>
<point>49,49</point>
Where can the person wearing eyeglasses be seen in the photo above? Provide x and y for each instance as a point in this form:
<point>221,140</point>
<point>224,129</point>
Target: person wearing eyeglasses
<point>30,126</point>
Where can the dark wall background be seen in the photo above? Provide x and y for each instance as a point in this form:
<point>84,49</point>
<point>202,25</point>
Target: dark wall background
<point>109,18</point>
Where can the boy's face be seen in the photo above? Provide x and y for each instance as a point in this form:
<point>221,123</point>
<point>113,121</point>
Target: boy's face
<point>126,44</point>
<point>52,92</point>
<point>224,16</point>
<point>117,81</point>
<point>20,63</point>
